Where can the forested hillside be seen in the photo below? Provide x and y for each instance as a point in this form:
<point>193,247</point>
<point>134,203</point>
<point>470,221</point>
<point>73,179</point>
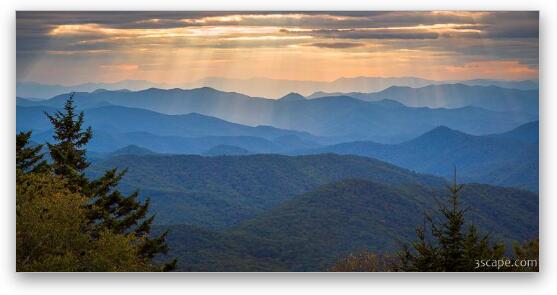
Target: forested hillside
<point>310,231</point>
<point>223,190</point>
<point>508,159</point>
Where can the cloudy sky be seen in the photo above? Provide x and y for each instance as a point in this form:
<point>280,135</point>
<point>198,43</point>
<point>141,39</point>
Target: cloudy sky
<point>175,47</point>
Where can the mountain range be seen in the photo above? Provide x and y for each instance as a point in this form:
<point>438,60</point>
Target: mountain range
<point>454,96</point>
<point>265,87</point>
<point>343,117</point>
<point>219,191</point>
<point>247,183</point>
<point>278,213</point>
<point>44,91</point>
<point>507,159</point>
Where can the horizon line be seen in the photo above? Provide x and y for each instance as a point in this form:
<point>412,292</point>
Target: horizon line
<point>454,81</point>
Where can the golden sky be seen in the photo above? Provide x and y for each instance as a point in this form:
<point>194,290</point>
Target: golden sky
<point>176,47</point>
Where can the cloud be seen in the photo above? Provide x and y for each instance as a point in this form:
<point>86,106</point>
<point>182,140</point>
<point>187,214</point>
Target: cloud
<point>336,44</point>
<point>441,37</point>
<point>375,34</point>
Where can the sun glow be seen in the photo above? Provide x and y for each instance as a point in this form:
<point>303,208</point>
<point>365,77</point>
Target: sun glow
<point>306,46</point>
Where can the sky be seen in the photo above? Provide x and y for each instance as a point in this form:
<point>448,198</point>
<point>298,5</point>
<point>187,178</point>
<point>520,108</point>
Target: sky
<point>70,48</point>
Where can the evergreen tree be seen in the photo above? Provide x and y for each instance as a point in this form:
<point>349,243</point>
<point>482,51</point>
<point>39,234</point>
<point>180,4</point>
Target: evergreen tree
<point>108,208</point>
<point>28,159</point>
<point>453,247</point>
<point>51,232</point>
<point>68,153</point>
<point>528,252</point>
<point>366,262</point>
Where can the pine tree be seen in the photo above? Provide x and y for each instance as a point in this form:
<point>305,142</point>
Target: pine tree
<point>108,208</point>
<point>529,252</point>
<point>51,232</point>
<point>453,247</point>
<point>28,159</point>
<point>68,153</point>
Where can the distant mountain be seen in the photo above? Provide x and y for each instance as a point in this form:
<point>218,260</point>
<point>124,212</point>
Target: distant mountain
<point>343,117</point>
<point>454,96</point>
<point>523,85</point>
<point>265,87</point>
<point>104,142</point>
<point>223,190</point>
<point>293,142</point>
<point>497,160</point>
<point>132,150</point>
<point>292,96</point>
<point>529,132</point>
<point>43,91</point>
<point>311,231</point>
<point>226,150</point>
<point>124,119</point>
<point>275,88</point>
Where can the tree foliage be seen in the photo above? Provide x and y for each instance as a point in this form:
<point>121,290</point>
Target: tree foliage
<point>28,158</point>
<point>68,153</point>
<point>106,222</point>
<point>52,235</point>
<point>451,246</point>
<point>366,262</point>
<point>528,251</point>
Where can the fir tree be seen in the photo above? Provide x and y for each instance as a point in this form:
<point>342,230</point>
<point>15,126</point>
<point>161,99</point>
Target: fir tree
<point>68,153</point>
<point>452,247</point>
<point>28,159</point>
<point>529,252</point>
<point>108,208</point>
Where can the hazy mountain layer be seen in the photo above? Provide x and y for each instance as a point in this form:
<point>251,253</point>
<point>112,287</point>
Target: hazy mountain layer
<point>343,117</point>
<point>454,96</point>
<point>264,87</point>
<point>508,159</point>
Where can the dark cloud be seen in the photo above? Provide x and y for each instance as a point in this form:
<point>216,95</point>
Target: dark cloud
<point>336,44</point>
<point>473,35</point>
<point>367,34</point>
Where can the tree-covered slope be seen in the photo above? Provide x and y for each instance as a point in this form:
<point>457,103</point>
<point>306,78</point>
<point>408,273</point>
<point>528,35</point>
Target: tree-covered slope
<point>310,231</point>
<point>529,132</point>
<point>223,190</point>
<point>498,160</point>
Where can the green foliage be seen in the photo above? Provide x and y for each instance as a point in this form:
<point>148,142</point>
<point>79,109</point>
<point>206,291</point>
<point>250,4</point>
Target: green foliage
<point>51,232</point>
<point>366,262</point>
<point>109,209</point>
<point>528,251</point>
<point>221,191</point>
<point>68,153</point>
<point>452,247</point>
<point>106,209</point>
<point>28,159</point>
<point>311,231</point>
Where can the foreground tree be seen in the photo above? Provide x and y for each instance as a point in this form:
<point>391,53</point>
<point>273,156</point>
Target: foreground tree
<point>28,159</point>
<point>445,243</point>
<point>108,208</point>
<point>68,153</point>
<point>51,232</point>
<point>107,211</point>
<point>367,262</point>
<point>528,252</point>
<point>453,247</point>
